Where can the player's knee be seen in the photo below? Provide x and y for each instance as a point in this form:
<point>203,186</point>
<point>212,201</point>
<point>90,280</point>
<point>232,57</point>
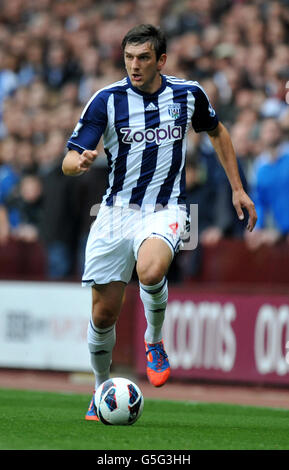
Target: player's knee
<point>151,274</point>
<point>103,316</point>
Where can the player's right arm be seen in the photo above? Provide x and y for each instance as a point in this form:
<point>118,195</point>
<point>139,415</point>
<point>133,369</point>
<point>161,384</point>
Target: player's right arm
<point>75,164</point>
<point>85,137</point>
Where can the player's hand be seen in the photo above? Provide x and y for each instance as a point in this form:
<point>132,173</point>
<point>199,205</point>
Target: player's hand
<point>86,159</point>
<point>241,200</point>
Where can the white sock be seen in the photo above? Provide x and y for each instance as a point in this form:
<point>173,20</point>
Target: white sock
<point>154,299</point>
<point>100,345</point>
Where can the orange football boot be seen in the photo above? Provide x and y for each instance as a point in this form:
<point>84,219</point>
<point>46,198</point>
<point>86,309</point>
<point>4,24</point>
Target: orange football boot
<point>91,413</point>
<point>158,367</point>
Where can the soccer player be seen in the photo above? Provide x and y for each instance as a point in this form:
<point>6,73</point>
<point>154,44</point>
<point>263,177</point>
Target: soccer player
<point>143,120</point>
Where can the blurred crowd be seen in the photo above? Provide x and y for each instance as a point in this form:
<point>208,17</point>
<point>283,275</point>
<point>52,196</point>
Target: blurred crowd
<point>54,54</point>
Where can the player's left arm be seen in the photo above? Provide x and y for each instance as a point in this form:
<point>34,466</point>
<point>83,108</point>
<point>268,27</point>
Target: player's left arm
<point>221,141</point>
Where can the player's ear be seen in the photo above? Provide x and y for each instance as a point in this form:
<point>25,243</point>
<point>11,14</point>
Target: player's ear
<point>161,62</point>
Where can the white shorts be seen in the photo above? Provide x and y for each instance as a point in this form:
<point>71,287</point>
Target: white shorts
<point>116,235</point>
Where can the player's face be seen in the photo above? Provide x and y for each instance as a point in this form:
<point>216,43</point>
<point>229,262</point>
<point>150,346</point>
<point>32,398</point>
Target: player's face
<point>142,66</point>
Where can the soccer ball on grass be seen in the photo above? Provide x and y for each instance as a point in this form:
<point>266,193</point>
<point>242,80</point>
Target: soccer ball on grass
<point>118,401</point>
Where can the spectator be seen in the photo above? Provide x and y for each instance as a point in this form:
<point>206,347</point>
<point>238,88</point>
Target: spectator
<point>8,84</point>
<point>271,191</point>
<point>32,66</point>
<point>4,226</point>
<point>59,219</point>
<point>9,178</point>
<point>27,201</point>
<point>58,69</point>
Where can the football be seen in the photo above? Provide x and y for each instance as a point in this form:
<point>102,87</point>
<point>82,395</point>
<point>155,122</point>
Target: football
<point>118,401</point>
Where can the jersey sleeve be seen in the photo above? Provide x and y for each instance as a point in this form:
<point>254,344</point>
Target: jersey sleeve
<point>90,126</point>
<point>204,117</point>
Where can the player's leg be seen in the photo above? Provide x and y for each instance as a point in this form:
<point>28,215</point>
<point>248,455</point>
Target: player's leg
<point>154,259</point>
<point>109,263</point>
<point>106,306</point>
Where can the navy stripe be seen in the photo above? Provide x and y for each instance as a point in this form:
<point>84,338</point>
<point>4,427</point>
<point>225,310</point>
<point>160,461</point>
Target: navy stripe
<point>121,120</point>
<point>149,156</point>
<point>178,244</point>
<point>179,96</point>
<point>156,291</point>
<point>109,160</point>
<point>99,332</point>
<point>163,236</point>
<point>182,197</point>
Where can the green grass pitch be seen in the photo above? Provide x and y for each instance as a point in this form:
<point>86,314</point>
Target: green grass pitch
<point>55,421</point>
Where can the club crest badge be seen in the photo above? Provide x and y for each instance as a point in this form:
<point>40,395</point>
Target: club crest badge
<point>174,110</point>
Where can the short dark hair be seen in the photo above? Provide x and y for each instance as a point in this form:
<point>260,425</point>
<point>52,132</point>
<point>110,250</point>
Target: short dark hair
<point>147,32</point>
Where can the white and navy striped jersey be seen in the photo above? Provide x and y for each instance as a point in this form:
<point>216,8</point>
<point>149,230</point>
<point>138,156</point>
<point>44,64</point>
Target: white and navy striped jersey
<point>144,138</point>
